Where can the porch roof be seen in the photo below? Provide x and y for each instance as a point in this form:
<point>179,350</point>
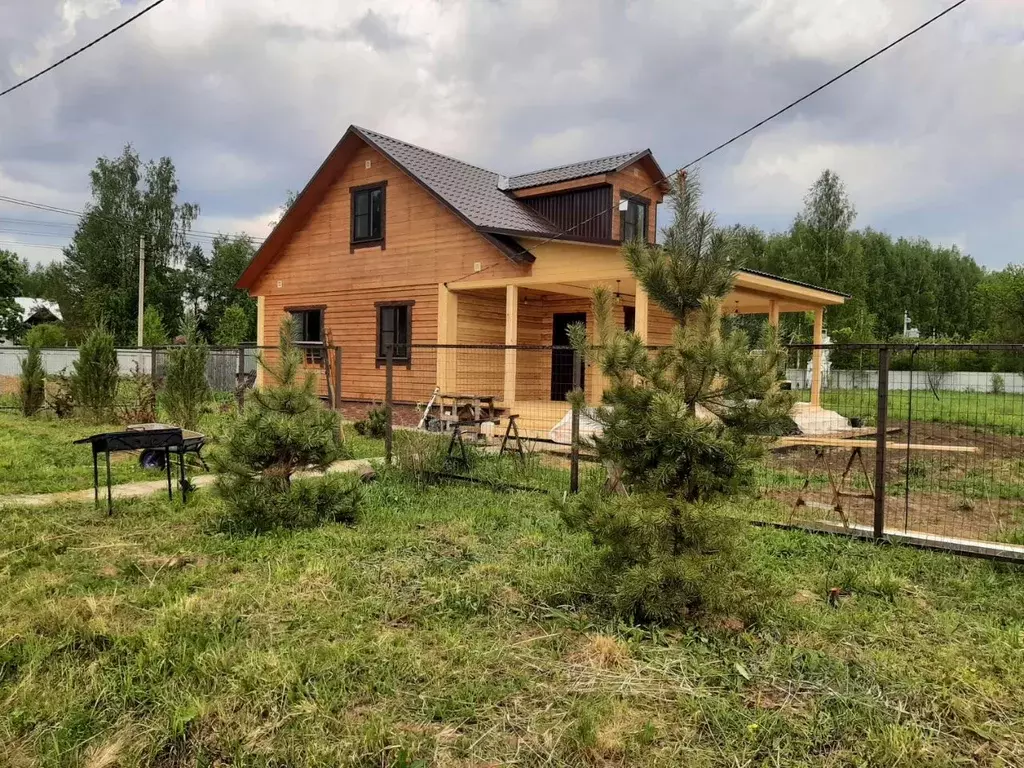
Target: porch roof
<point>575,269</point>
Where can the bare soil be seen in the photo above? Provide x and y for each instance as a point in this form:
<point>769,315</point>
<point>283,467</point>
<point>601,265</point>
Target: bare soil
<point>968,495</point>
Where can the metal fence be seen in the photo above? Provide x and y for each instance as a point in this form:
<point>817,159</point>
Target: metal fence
<point>910,455</point>
<point>903,445</point>
<point>230,371</point>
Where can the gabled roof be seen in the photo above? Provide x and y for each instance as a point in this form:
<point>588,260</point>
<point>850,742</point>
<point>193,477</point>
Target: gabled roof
<point>476,195</point>
<point>31,307</point>
<point>470,190</point>
<point>609,164</point>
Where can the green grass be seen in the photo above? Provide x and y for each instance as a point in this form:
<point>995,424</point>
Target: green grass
<point>998,414</point>
<point>444,629</point>
<point>38,455</point>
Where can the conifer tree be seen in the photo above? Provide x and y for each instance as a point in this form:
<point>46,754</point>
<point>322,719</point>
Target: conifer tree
<point>96,374</point>
<point>32,385</point>
<point>682,427</point>
<point>285,429</point>
<point>186,390</point>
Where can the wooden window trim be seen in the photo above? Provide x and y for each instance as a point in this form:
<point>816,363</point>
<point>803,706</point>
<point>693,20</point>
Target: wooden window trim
<point>377,242</point>
<point>382,361</point>
<point>310,355</point>
<point>644,201</point>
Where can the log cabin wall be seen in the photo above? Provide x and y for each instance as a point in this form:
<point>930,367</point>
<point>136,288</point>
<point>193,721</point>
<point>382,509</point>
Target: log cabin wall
<point>635,179</point>
<point>424,244</point>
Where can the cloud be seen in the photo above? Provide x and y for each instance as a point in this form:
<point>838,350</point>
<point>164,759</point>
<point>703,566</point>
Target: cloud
<point>248,96</point>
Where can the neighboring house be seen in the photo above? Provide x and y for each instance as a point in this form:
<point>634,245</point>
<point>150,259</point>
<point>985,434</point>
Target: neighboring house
<point>34,312</point>
<point>390,243</point>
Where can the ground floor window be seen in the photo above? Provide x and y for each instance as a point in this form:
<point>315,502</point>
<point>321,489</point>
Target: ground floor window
<point>310,327</point>
<point>394,330</point>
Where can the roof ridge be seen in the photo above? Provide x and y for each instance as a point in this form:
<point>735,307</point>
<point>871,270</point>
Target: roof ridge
<point>424,149</point>
<point>579,162</point>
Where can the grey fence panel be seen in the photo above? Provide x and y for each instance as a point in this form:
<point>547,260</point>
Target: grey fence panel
<point>951,381</point>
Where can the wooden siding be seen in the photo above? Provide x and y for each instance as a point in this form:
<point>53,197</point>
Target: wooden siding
<point>426,244</point>
<point>588,210</point>
<point>636,180</point>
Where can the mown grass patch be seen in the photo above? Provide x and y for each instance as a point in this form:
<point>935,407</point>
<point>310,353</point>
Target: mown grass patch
<point>38,455</point>
<point>444,629</point>
<point>1001,414</point>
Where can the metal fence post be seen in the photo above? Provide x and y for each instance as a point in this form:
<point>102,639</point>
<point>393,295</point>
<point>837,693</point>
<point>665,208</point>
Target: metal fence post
<point>388,397</point>
<point>240,379</point>
<point>152,363</point>
<point>577,378</point>
<point>881,440</point>
<point>337,378</point>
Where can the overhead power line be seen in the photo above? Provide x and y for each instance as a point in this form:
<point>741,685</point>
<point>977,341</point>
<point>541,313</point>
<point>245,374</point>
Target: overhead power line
<point>770,117</point>
<point>84,48</point>
<point>192,233</point>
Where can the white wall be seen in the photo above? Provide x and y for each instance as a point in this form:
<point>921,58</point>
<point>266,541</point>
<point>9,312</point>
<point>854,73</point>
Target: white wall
<point>957,381</point>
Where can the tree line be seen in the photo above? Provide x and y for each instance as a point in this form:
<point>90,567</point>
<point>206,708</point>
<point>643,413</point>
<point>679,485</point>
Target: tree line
<point>96,281</point>
<point>943,293</point>
<point>939,291</point>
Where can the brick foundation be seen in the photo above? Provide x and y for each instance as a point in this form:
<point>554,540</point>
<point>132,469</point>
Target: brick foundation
<point>404,415</point>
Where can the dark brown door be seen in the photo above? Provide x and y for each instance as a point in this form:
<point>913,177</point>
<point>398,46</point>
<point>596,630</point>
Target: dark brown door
<point>562,355</point>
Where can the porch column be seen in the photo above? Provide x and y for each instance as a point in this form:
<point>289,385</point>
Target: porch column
<point>819,318</point>
<point>641,312</point>
<point>261,334</point>
<point>511,339</point>
<point>447,333</point>
<point>773,314</point>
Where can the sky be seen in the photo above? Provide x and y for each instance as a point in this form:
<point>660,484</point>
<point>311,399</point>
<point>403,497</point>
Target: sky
<point>248,97</point>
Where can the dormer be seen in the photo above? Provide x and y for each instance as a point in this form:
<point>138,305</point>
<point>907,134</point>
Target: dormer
<point>603,200</point>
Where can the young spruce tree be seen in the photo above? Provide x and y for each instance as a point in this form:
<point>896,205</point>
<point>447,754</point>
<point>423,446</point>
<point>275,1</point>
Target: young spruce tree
<point>96,375</point>
<point>186,391</point>
<point>681,428</point>
<point>32,386</point>
<point>283,430</point>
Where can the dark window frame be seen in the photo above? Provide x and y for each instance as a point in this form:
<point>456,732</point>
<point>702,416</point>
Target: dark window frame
<point>368,242</point>
<point>629,318</point>
<point>312,355</point>
<point>381,359</point>
<point>640,202</point>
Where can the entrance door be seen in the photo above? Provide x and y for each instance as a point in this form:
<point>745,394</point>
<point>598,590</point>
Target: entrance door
<point>562,355</point>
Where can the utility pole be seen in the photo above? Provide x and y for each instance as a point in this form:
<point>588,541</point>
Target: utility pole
<point>142,282</point>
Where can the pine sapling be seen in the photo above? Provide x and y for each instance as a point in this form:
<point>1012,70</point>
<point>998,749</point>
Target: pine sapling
<point>283,430</point>
<point>681,428</point>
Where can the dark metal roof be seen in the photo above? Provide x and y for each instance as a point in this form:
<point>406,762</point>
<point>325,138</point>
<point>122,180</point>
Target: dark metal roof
<point>793,282</point>
<point>473,192</point>
<point>572,171</point>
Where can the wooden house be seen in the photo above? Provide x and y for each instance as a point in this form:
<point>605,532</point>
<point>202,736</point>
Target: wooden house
<point>393,244</point>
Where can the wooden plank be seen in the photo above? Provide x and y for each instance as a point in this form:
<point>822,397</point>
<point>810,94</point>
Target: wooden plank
<point>819,319</point>
<point>511,339</point>
<point>791,442</point>
<point>642,316</point>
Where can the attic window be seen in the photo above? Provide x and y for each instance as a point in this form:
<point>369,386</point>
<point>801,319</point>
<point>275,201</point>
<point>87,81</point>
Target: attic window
<point>634,220</point>
<point>368,214</point>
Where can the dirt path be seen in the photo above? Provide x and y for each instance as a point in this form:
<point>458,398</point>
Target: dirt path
<point>145,488</point>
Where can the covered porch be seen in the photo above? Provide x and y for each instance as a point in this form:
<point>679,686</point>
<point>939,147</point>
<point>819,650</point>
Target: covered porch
<point>506,337</point>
